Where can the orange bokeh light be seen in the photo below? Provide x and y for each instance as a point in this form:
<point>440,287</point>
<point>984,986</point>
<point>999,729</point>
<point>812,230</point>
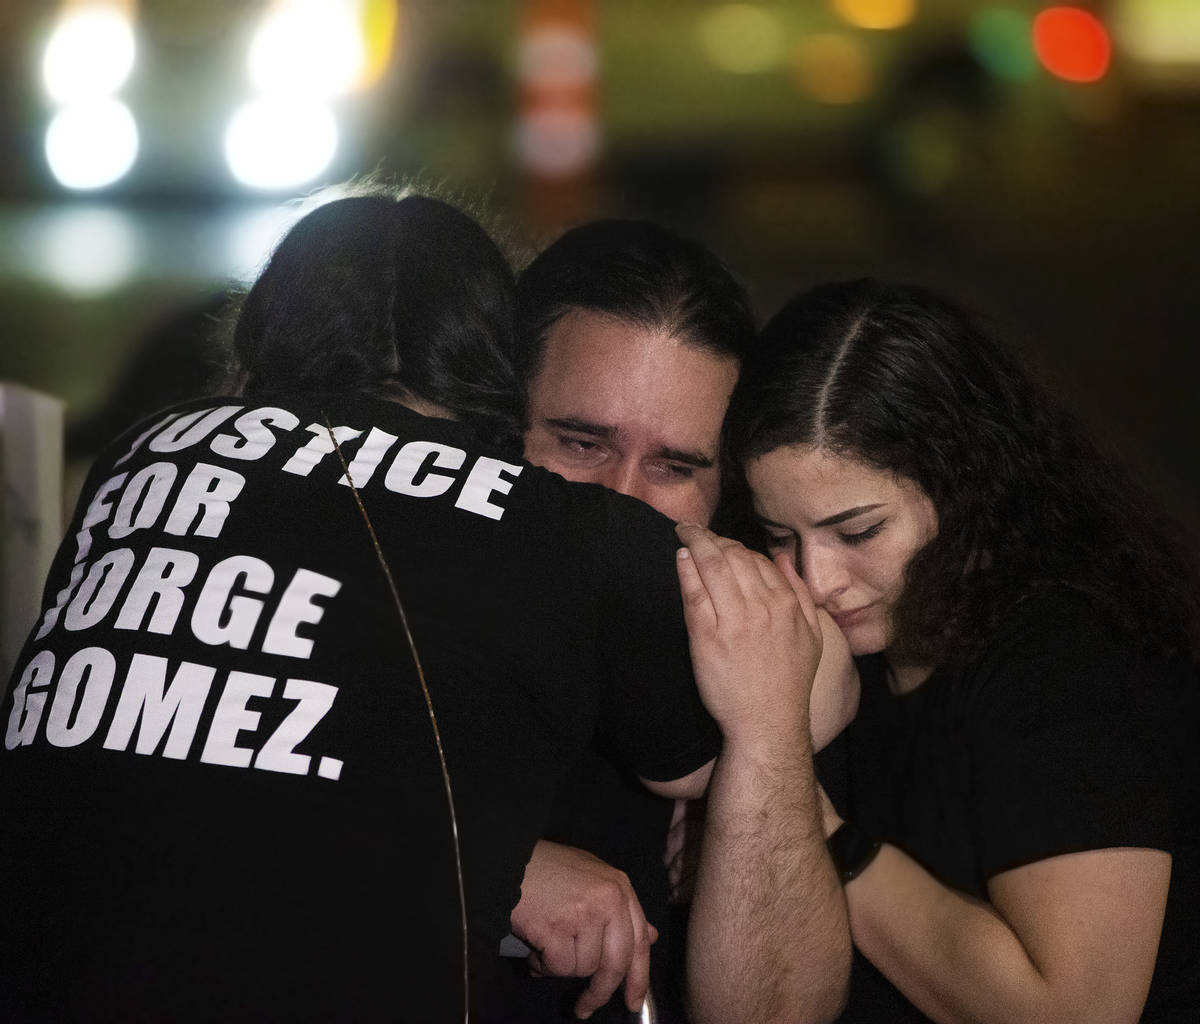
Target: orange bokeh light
<point>1072,44</point>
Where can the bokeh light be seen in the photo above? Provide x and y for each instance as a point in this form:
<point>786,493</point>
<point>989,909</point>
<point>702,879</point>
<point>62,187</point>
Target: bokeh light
<point>86,251</point>
<point>557,142</point>
<point>1165,33</point>
<point>91,144</point>
<point>380,24</point>
<point>278,143</point>
<point>308,48</point>
<point>252,238</point>
<point>1072,44</point>
<point>89,55</point>
<point>556,56</point>
<point>1000,39</point>
<point>876,14</point>
<point>832,67</point>
<point>741,38</point>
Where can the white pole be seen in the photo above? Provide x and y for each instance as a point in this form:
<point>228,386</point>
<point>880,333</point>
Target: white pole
<point>31,512</point>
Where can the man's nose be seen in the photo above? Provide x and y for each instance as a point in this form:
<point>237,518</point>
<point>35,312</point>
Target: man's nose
<point>623,475</point>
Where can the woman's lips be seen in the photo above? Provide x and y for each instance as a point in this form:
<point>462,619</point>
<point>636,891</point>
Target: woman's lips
<point>844,619</point>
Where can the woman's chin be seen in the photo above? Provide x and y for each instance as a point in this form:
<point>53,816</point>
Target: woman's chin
<point>865,637</point>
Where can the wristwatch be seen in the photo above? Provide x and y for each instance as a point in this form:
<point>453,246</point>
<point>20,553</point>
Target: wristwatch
<point>851,850</point>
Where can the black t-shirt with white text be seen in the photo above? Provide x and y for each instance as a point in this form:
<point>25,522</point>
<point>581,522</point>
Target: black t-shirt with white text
<point>220,795</point>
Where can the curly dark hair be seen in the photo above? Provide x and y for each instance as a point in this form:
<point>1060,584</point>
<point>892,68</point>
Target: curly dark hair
<point>387,293</point>
<point>907,382</point>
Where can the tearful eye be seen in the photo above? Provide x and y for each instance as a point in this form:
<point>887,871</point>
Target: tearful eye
<point>579,447</point>
<point>675,471</point>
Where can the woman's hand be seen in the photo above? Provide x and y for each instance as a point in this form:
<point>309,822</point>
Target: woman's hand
<point>834,701</point>
<point>754,636</point>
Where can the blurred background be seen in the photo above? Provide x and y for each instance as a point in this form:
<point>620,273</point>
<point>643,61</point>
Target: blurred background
<point>1039,162</point>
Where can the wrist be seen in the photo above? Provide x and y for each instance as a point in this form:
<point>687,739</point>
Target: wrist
<point>851,851</point>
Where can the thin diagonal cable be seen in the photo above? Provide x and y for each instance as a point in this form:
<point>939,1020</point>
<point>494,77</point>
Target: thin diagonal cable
<point>437,736</point>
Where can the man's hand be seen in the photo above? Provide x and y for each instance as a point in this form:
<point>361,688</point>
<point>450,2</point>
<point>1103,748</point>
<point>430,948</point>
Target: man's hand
<point>753,633</point>
<point>582,918</point>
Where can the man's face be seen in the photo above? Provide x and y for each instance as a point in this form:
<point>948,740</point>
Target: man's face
<point>633,409</point>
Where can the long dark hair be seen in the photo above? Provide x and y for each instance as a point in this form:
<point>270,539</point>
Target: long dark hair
<point>905,381</point>
<point>639,272</point>
<point>386,296</point>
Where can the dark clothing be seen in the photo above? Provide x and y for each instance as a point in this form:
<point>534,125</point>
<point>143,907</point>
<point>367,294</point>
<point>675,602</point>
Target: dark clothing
<point>1062,739</point>
<point>220,796</point>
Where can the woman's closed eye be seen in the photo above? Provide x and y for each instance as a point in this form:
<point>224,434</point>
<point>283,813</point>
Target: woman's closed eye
<point>862,536</point>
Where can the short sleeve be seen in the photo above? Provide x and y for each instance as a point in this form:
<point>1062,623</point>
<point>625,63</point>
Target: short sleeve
<point>1068,742</point>
<point>649,707</point>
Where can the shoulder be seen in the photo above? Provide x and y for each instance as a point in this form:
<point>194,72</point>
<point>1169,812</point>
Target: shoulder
<point>1056,657</point>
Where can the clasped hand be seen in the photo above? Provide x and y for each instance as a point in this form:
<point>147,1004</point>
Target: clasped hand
<point>754,636</point>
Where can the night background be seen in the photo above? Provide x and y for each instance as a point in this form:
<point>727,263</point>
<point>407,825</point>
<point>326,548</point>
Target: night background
<point>1039,163</point>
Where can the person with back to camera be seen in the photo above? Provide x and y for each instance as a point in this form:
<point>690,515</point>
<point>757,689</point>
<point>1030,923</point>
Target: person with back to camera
<point>1020,842</point>
<point>224,788</point>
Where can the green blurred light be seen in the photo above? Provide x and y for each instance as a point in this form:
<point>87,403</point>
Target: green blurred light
<point>999,38</point>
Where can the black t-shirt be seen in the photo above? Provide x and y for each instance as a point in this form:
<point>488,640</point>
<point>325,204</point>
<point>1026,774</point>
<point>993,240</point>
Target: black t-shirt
<point>1063,738</point>
<point>220,796</point>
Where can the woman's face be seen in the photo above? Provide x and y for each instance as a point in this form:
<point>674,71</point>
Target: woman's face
<point>851,530</point>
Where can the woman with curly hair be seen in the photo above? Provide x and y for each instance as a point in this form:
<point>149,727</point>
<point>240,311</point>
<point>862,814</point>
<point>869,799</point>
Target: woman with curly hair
<point>1020,839</point>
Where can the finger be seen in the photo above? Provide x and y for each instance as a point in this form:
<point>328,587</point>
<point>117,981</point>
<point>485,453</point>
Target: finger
<point>557,957</point>
<point>770,575</point>
<point>712,564</point>
<point>614,963</point>
<point>698,612</point>
<point>637,978</point>
<point>589,951</point>
<point>800,589</point>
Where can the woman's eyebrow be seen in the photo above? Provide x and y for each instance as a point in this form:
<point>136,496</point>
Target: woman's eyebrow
<point>850,513</point>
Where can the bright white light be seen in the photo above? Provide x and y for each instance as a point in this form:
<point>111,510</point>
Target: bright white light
<point>89,55</point>
<point>308,48</point>
<point>87,251</point>
<point>278,143</point>
<point>91,144</point>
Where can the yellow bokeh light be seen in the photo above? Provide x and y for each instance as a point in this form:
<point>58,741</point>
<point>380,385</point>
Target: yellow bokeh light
<point>380,22</point>
<point>876,14</point>
<point>742,38</point>
<point>832,67</point>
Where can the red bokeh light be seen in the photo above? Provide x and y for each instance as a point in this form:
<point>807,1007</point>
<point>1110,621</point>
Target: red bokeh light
<point>1072,44</point>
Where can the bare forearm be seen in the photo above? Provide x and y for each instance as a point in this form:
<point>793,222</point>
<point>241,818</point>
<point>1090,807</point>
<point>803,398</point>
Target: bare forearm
<point>768,939</point>
<point>953,956</point>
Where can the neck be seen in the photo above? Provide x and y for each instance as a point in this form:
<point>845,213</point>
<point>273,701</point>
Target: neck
<point>904,677</point>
